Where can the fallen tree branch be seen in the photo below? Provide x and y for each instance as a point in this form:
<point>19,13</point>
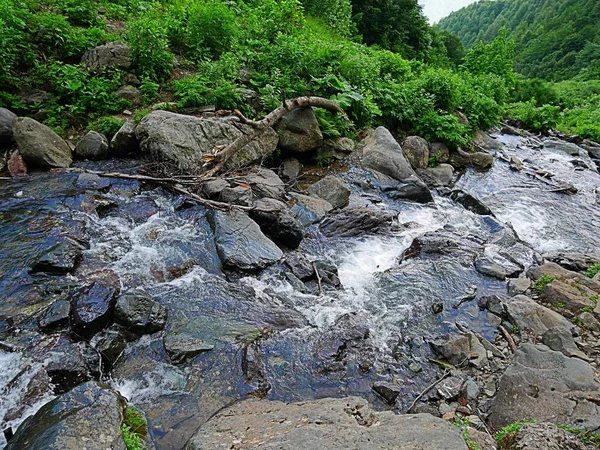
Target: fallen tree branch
<point>508,338</point>
<point>427,389</point>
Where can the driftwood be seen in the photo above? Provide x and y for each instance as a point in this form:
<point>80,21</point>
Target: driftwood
<point>223,154</point>
<point>426,390</point>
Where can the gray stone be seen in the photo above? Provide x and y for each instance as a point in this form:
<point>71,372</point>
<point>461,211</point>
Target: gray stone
<point>470,389</point>
<point>543,436</point>
<point>238,195</point>
<point>277,222</point>
<point>440,175</point>
<point>454,348</point>
<point>63,258</point>
<point>483,160</point>
<point>483,440</point>
<point>326,424</point>
<point>240,242</point>
<point>566,147</point>
<point>388,391</point>
<point>92,309</point>
<point>449,388</point>
<point>56,316</point>
<point>109,344</point>
<point>309,210</point>
<point>571,296</point>
<point>129,93</point>
<point>383,154</point>
<point>266,183</point>
<point>183,345</point>
<point>355,221</point>
<point>299,131</point>
<point>290,169</point>
<point>411,188</point>
<point>139,313</point>
<point>88,417</point>
<point>593,148</point>
<point>526,314</point>
<point>589,321</point>
<point>6,126</point>
<point>439,151</point>
<point>331,189</point>
<point>182,141</point>
<point>460,158</point>
<point>518,286</point>
<point>125,141</point>
<point>547,386</point>
<point>471,203</point>
<point>93,146</point>
<point>343,144</point>
<point>39,145</point>
<point>92,181</point>
<point>111,55</point>
<point>497,267</point>
<point>416,150</point>
<point>577,262</point>
<point>484,141</point>
<point>561,340</point>
<point>565,276</point>
<point>213,188</point>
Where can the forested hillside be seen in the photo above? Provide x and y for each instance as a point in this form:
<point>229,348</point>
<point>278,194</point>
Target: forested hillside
<point>554,39</point>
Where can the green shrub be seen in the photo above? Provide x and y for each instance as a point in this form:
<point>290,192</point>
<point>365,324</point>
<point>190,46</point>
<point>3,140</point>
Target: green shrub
<point>540,119</point>
<point>443,85</point>
<point>211,28</point>
<point>511,429</point>
<point>149,90</point>
<point>108,126</point>
<point>593,271</point>
<point>150,52</point>
<point>542,282</point>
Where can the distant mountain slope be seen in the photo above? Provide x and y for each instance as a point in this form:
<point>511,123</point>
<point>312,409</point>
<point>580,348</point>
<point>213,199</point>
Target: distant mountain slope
<point>555,39</point>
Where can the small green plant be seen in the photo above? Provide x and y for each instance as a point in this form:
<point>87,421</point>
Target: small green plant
<point>592,271</point>
<point>149,90</point>
<point>586,437</point>
<point>108,126</point>
<point>131,439</point>
<point>434,160</point>
<point>542,282</point>
<point>463,422</point>
<point>134,429</point>
<point>560,305</point>
<point>513,428</point>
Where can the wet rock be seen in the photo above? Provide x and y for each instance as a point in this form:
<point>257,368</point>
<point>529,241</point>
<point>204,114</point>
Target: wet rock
<point>409,189</point>
<point>183,345</point>
<point>571,297</point>
<point>484,141</point>
<point>240,242</point>
<point>440,175</point>
<point>441,242</point>
<point>56,316</point>
<point>290,169</point>
<point>129,93</point>
<point>138,210</point>
<point>493,304</point>
<point>383,154</point>
<point>16,165</point>
<point>110,345</point>
<point>238,195</point>
<point>416,150</point>
<point>111,55</point>
<point>39,145</point>
<point>449,389</point>
<point>566,147</point>
<point>213,188</point>
<point>439,151</point>
<point>277,222</point>
<point>266,183</point>
<point>355,222</point>
<point>388,391</point>
<point>496,266</point>
<point>332,190</point>
<point>92,182</point>
<point>299,131</point>
<point>6,126</point>
<point>308,209</point>
<point>576,262</point>
<point>589,321</point>
<point>139,313</point>
<point>593,148</point>
<point>526,314</point>
<point>125,142</point>
<point>300,266</point>
<point>93,146</point>
<point>91,310</point>
<point>547,386</point>
<point>183,140</point>
<point>89,417</point>
<point>542,436</point>
<point>454,348</point>
<point>460,158</point>
<point>471,203</point>
<point>561,340</point>
<point>518,286</point>
<point>254,370</point>
<point>343,145</point>
<point>67,367</point>
<point>470,389</point>
<point>63,258</point>
<point>262,424</point>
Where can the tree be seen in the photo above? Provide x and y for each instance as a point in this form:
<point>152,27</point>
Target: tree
<point>495,58</point>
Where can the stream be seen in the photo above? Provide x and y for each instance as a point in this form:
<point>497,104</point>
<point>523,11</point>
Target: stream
<point>268,336</point>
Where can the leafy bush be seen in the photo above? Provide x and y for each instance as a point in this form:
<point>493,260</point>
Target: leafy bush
<point>150,53</point>
<point>593,271</point>
<point>211,28</point>
<point>108,126</point>
<point>540,119</point>
<point>542,282</point>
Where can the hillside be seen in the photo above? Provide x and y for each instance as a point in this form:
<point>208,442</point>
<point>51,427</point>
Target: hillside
<point>555,39</point>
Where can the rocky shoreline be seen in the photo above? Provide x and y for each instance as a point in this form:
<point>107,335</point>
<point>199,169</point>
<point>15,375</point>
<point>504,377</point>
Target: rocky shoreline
<point>211,322</point>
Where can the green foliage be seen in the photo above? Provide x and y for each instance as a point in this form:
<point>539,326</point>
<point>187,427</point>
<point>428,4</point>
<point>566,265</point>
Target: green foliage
<point>593,271</point>
<point>108,126</point>
<point>336,13</point>
<point>464,423</point>
<point>495,58</point>
<point>539,119</point>
<point>586,436</point>
<point>147,37</point>
<point>132,440</point>
<point>149,90</point>
<point>543,281</point>
<point>513,428</point>
<point>211,28</point>
<point>134,429</point>
<point>542,92</point>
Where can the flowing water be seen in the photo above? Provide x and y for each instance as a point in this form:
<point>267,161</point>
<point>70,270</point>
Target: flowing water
<point>306,344</point>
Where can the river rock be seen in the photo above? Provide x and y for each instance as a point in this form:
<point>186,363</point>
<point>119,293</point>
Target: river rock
<point>496,266</point>
<point>112,55</point>
<point>484,141</point>
<point>129,93</point>
<point>308,209</point>
<point>565,276</point>
<point>88,417</point>
<point>109,344</point>
<point>593,148</point>
<point>518,286</point>
<point>577,262</point>
<point>588,321</point>
<point>350,423</point>
<point>572,297</point>
<point>416,150</point>
<point>454,348</point>
<point>39,145</point>
<point>383,154</point>
<point>460,158</point>
<point>331,189</point>
<point>139,313</point>
<point>290,169</point>
<point>542,436</point>
<point>240,242</point>
<point>547,386</point>
<point>183,345</point>
<point>66,364</point>
<point>411,188</point>
<point>526,314</point>
<point>125,142</point>
<point>299,131</point>
<point>471,203</point>
<point>277,222</point>
<point>93,146</point>
<point>183,140</point>
<point>6,126</point>
<point>355,222</point>
<point>238,195</point>
<point>266,183</point>
<point>56,316</point>
<point>566,147</point>
<point>92,309</point>
<point>439,151</point>
<point>388,391</point>
<point>561,340</point>
<point>63,258</point>
<point>213,188</point>
<point>440,175</point>
<point>17,168</point>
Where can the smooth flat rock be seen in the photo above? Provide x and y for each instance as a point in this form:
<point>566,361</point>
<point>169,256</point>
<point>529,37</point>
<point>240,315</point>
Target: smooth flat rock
<point>526,314</point>
<point>331,189</point>
<point>383,154</point>
<point>325,424</point>
<point>39,145</point>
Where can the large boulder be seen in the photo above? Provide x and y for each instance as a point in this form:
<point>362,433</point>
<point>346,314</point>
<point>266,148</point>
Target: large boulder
<point>93,146</point>
<point>383,154</point>
<point>309,209</point>
<point>240,242</point>
<point>542,436</point>
<point>547,386</point>
<point>277,221</point>
<point>182,140</point>
<point>563,146</point>
<point>125,142</point>
<point>266,183</point>
<point>299,131</point>
<point>528,315</point>
<point>112,55</point>
<point>39,145</point>
<point>460,158</point>
<point>139,313</point>
<point>325,424</point>
<point>484,141</point>
<point>440,175</point>
<point>331,189</point>
<point>411,188</point>
<point>91,310</point>
<point>416,150</point>
<point>6,126</point>
<point>88,417</point>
